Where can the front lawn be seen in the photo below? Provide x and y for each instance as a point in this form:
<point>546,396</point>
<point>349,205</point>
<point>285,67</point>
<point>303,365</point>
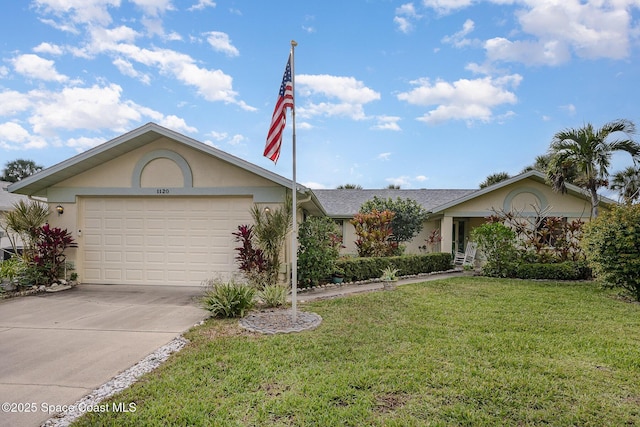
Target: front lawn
<point>460,351</point>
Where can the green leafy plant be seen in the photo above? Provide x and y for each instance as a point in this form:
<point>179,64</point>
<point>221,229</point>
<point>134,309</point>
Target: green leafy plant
<point>228,299</point>
<point>319,243</point>
<point>498,244</point>
<point>389,274</point>
<point>270,229</point>
<point>22,221</point>
<point>374,233</point>
<point>612,244</point>
<point>408,216</point>
<point>49,257</point>
<point>12,268</point>
<point>251,259</point>
<point>273,295</point>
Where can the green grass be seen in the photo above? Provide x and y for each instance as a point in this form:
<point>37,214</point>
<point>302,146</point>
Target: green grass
<point>461,351</point>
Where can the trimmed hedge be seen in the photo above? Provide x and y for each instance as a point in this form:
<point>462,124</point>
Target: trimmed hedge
<point>567,270</point>
<point>357,269</point>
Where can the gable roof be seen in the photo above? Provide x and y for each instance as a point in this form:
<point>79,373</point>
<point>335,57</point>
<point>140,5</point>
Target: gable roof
<point>538,176</point>
<point>39,182</point>
<point>345,203</point>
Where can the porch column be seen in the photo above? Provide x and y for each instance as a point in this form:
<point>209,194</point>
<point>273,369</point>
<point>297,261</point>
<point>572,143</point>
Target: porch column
<point>446,232</point>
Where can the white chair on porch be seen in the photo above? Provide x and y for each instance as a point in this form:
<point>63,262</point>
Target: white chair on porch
<point>468,256</point>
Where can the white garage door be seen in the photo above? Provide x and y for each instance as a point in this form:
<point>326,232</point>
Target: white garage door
<point>160,241</point>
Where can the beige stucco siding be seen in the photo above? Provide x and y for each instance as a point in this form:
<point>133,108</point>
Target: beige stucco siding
<point>207,171</point>
<point>521,196</point>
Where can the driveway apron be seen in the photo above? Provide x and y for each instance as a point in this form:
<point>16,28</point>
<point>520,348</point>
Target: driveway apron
<point>56,348</point>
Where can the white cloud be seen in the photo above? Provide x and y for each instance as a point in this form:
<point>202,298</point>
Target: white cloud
<point>83,143</point>
<point>459,39</point>
<point>15,137</point>
<point>220,42</point>
<point>387,123</point>
<point>384,156</point>
<point>350,93</point>
<point>421,178</point>
<point>446,6</point>
<point>126,68</point>
<point>91,108</point>
<point>79,11</point>
<point>13,102</point>
<point>176,123</point>
<point>405,15</point>
<point>463,99</point>
<point>401,181</point>
<point>527,52</point>
<point>569,108</point>
<point>35,67</point>
<point>218,136</point>
<point>154,7</point>
<point>202,4</point>
<point>49,48</point>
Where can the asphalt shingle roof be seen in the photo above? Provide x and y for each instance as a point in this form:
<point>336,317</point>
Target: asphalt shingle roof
<point>346,202</point>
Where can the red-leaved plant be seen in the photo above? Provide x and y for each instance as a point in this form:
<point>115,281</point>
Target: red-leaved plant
<point>49,256</point>
<point>249,259</point>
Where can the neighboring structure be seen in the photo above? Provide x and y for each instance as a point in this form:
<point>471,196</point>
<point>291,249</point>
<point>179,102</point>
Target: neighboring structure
<point>456,212</point>
<point>156,207</point>
<point>7,201</point>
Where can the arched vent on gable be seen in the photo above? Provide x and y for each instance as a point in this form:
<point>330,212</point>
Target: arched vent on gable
<point>162,168</point>
<point>523,201</point>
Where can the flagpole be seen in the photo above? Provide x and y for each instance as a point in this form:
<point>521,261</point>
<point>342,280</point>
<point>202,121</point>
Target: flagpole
<point>294,202</point>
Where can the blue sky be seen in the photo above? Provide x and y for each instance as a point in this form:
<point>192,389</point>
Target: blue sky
<point>423,94</point>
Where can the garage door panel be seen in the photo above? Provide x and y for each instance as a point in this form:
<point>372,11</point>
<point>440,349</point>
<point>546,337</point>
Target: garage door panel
<point>160,240</point>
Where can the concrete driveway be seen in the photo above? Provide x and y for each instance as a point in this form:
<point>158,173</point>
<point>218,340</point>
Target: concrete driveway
<point>56,348</point>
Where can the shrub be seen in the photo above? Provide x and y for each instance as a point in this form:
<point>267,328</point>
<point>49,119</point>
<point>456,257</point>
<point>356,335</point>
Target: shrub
<point>274,295</point>
<point>612,244</point>
<point>251,260</point>
<point>357,269</point>
<point>408,216</point>
<point>50,244</point>
<point>498,244</point>
<point>374,233</point>
<point>228,299</point>
<point>319,242</point>
<point>270,229</point>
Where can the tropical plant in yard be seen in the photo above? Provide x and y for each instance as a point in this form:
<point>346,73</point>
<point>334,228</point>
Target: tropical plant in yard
<point>319,241</point>
<point>273,295</point>
<point>627,184</point>
<point>408,216</point>
<point>498,244</point>
<point>250,259</point>
<point>228,298</point>
<point>588,151</point>
<point>612,244</point>
<point>270,228</point>
<point>49,257</point>
<point>374,233</point>
<point>22,222</point>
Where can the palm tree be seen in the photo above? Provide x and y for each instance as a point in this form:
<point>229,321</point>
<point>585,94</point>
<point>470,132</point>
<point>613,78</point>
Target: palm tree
<point>627,183</point>
<point>349,187</point>
<point>494,178</point>
<point>589,151</point>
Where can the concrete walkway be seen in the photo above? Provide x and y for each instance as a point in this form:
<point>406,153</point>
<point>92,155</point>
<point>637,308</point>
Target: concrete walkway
<point>57,348</point>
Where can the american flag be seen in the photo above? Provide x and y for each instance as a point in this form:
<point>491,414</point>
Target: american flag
<point>279,118</point>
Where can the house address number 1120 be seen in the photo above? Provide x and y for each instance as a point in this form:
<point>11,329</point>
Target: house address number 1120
<point>162,191</point>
